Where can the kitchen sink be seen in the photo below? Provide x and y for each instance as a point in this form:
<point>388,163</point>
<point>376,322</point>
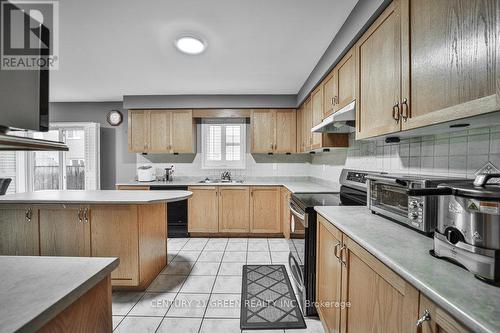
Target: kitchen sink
<point>220,181</point>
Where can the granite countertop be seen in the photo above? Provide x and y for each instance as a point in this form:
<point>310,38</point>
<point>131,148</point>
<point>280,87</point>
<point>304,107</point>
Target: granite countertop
<point>473,302</point>
<point>293,184</point>
<point>34,290</point>
<point>96,197</point>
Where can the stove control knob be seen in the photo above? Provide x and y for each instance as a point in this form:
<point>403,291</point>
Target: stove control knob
<point>413,216</point>
<point>414,204</point>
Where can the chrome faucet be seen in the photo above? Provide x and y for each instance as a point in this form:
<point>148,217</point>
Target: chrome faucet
<point>226,176</point>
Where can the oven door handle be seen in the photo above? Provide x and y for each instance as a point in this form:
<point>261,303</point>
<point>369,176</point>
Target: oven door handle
<point>296,213</point>
<point>394,181</point>
<point>299,284</point>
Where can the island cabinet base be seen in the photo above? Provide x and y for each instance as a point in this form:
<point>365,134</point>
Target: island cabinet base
<point>135,233</point>
<point>89,313</point>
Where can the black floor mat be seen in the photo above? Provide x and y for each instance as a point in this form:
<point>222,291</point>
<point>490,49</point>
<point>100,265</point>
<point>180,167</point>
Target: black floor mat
<point>268,300</point>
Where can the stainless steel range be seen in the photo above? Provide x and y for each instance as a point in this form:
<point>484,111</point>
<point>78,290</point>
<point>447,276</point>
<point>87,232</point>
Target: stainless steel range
<point>302,243</point>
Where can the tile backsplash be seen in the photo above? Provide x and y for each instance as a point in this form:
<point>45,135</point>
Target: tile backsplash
<point>460,154</point>
<point>457,154</point>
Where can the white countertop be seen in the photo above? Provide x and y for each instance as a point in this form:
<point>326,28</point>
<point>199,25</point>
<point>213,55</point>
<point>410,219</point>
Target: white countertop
<point>472,302</point>
<point>96,197</point>
<point>293,184</point>
<point>34,290</point>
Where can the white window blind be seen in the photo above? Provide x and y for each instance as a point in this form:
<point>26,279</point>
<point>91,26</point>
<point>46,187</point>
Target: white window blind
<point>223,143</point>
<point>8,164</point>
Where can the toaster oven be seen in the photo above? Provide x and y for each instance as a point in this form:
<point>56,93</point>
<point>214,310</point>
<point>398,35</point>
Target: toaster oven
<point>387,196</point>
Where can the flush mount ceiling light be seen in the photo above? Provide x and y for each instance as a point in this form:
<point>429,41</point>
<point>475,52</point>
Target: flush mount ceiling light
<point>190,45</point>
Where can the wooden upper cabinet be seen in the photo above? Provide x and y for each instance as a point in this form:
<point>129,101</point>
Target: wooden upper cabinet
<point>346,78</point>
<point>263,130</point>
<point>286,131</point>
<point>273,131</point>
<point>120,221</point>
<point>381,301</point>
<point>328,274</point>
<point>138,137</point>
<point>450,58</point>
<point>18,230</point>
<point>265,209</point>
<point>300,121</point>
<point>159,131</point>
<point>330,93</point>
<point>307,125</point>
<point>439,321</point>
<point>379,75</point>
<point>203,209</point>
<point>234,209</point>
<point>65,231</point>
<point>183,129</point>
<point>317,116</point>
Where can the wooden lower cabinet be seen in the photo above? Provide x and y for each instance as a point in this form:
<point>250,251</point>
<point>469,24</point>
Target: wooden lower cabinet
<point>19,230</point>
<point>376,298</point>
<point>329,276</point>
<point>203,209</point>
<point>285,211</point>
<point>234,209</point>
<point>91,312</point>
<point>121,223</point>
<point>265,209</point>
<point>439,321</point>
<point>64,231</point>
<point>380,300</point>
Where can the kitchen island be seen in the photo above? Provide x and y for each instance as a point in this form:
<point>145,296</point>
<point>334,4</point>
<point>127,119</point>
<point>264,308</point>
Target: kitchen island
<point>130,225</point>
<point>55,294</point>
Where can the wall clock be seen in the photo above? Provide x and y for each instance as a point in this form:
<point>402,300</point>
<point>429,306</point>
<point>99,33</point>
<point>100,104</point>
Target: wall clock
<point>114,117</point>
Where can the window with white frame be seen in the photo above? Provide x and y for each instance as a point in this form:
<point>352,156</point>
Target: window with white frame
<point>223,143</point>
<point>75,169</point>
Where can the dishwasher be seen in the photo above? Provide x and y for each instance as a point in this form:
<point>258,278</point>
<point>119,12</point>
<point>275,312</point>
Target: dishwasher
<point>177,213</point>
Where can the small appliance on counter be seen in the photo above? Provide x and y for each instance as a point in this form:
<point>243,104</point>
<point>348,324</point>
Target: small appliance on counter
<point>468,227</point>
<point>145,173</point>
<point>388,195</point>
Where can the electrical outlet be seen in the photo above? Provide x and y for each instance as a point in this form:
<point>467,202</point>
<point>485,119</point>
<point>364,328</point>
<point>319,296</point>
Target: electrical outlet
<point>275,166</point>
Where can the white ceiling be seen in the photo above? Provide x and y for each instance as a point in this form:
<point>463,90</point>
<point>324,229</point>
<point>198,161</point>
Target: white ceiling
<point>125,47</point>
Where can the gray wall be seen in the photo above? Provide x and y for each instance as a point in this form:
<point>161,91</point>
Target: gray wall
<point>209,101</point>
<point>361,17</point>
<point>117,164</point>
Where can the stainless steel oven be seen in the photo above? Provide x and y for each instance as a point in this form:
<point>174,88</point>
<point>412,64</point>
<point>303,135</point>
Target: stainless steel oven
<point>302,242</point>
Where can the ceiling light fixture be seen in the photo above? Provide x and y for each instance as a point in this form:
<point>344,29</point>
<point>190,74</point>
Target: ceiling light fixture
<point>190,45</point>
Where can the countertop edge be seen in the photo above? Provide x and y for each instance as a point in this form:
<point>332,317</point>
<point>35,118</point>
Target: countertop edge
<point>457,313</point>
<point>286,184</point>
<point>55,309</point>
<point>100,202</point>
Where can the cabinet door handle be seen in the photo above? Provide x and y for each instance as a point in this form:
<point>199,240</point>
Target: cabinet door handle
<point>404,109</point>
<point>335,252</point>
<point>86,215</point>
<point>341,255</point>
<point>80,218</point>
<point>29,214</point>
<point>395,112</point>
<point>426,316</point>
<point>335,100</point>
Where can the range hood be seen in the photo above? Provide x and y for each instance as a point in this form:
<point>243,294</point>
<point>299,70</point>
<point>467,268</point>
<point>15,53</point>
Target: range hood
<point>342,121</point>
<point>12,142</point>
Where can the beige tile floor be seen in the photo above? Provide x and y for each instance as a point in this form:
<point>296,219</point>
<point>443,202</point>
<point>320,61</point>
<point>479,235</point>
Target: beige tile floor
<point>199,291</point>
